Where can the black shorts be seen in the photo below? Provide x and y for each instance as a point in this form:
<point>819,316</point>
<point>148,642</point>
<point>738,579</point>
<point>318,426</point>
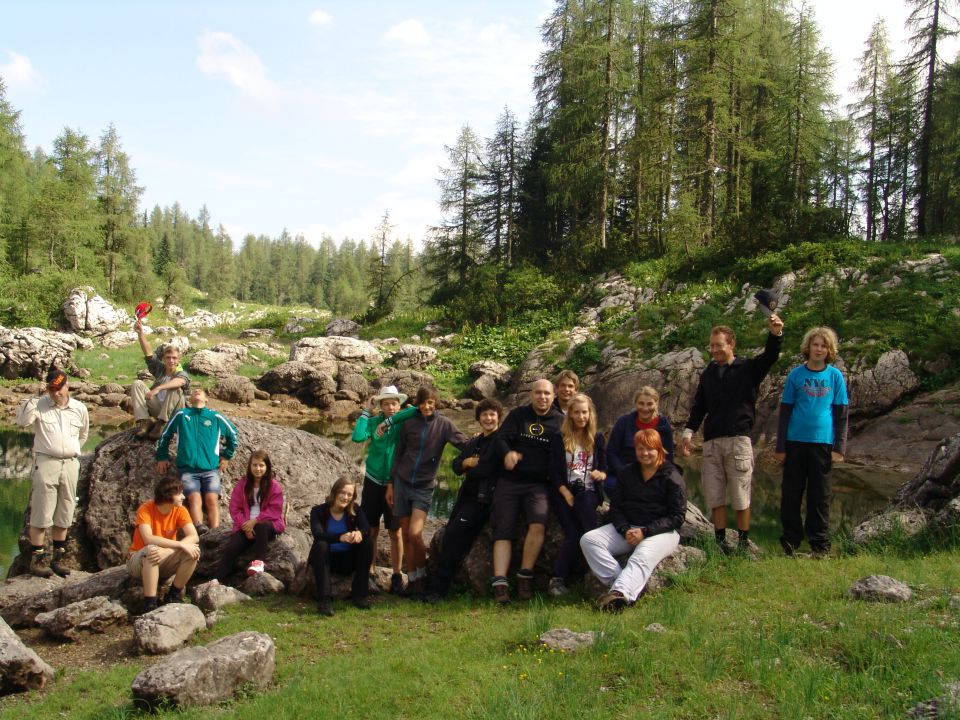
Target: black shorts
<point>507,500</point>
<point>373,502</point>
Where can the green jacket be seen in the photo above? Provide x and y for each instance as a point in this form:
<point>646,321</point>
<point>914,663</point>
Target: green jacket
<point>380,454</point>
<point>199,432</point>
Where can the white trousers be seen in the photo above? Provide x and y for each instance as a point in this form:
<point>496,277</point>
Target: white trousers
<point>601,546</point>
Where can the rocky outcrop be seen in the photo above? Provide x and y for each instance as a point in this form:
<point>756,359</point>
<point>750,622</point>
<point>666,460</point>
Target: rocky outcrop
<point>207,675</point>
<point>406,381</point>
<point>95,614</point>
<point>880,388</point>
<point>500,373</point>
<point>165,629</point>
<point>29,352</point>
<point>87,312</point>
<point>342,327</point>
<point>24,597</point>
<point>202,319</point>
<point>211,362</point>
<point>286,556</point>
<point>304,381</point>
<point>325,353</point>
<point>618,295</point>
<point>414,357</point>
<point>547,359</point>
<point>120,338</point>
<point>122,474</point>
<point>20,667</point>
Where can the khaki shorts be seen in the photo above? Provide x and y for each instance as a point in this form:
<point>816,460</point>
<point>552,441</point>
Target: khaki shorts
<point>727,471</point>
<point>168,566</point>
<point>54,495</point>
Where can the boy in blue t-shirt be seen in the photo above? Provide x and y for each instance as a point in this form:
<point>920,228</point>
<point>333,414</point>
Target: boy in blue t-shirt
<point>811,436</point>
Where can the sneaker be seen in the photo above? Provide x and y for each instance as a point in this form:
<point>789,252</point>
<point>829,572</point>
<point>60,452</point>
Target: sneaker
<point>256,567</point>
<point>501,595</point>
<point>788,549</point>
<point>40,564</point>
<point>174,595</point>
<point>820,553</point>
<point>557,587</point>
<point>396,584</point>
<point>59,554</point>
<point>202,529</point>
<point>525,587</point>
<point>325,607</point>
<point>361,603</point>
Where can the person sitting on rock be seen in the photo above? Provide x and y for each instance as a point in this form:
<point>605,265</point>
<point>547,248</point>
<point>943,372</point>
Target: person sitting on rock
<point>154,406</point>
<point>60,426</point>
<point>199,432</point>
<point>341,544</point>
<point>620,449</point>
<point>373,500</point>
<point>256,507</point>
<point>577,471</point>
<point>413,478</point>
<point>647,508</point>
<point>480,465</point>
<point>156,554</point>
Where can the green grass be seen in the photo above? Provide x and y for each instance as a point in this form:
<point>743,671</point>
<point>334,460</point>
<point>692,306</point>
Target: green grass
<point>775,638</point>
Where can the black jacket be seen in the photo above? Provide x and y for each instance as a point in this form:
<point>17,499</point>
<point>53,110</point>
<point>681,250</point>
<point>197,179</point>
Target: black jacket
<point>531,435</point>
<point>658,505</point>
<point>480,481</point>
<point>320,514</point>
<point>729,402</point>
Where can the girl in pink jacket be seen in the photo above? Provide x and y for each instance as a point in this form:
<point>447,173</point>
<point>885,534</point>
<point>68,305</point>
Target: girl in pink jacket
<point>256,507</point>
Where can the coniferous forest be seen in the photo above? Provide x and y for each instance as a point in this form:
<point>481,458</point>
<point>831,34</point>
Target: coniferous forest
<point>683,129</point>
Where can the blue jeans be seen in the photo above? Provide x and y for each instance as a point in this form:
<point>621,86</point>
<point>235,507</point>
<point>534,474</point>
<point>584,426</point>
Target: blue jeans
<point>205,481</point>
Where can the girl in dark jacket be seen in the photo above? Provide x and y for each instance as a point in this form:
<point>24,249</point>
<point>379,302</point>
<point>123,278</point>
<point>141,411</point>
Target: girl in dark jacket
<point>341,544</point>
<point>577,471</point>
<point>646,415</point>
<point>647,508</point>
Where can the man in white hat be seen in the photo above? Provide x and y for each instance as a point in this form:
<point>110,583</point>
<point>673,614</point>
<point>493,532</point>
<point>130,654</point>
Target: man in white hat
<point>383,405</point>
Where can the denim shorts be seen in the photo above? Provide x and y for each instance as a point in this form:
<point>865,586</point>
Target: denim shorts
<point>207,481</point>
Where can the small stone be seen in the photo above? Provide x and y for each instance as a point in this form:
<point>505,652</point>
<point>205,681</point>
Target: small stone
<point>882,588</point>
<point>566,640</point>
<point>213,596</point>
<point>165,629</point>
<point>94,614</point>
<point>655,628</point>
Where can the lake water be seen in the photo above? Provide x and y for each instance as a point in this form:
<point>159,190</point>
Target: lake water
<point>858,491</point>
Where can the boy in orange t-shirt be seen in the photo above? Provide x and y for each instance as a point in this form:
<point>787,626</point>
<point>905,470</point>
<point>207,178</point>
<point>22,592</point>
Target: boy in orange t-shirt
<point>156,554</point>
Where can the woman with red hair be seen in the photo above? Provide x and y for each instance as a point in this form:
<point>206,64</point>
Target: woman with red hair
<point>647,507</point>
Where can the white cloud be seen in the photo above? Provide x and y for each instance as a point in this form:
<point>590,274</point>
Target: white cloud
<point>409,32</point>
<point>20,72</point>
<point>223,55</point>
<point>320,17</point>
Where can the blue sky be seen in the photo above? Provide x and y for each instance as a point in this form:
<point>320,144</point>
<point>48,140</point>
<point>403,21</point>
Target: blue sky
<point>317,117</point>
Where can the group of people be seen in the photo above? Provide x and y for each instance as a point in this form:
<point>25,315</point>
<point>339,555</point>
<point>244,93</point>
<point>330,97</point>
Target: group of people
<point>543,457</point>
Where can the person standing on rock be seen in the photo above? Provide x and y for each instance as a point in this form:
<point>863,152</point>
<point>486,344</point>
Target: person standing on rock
<point>567,384</point>
<point>155,553</point>
<point>60,426</point>
<point>524,444</point>
<point>376,477</point>
<point>480,466</point>
<point>413,478</point>
<point>199,432</point>
<point>811,436</point>
<point>647,508</point>
<point>154,406</point>
<point>620,450</point>
<point>256,508</point>
<point>725,401</point>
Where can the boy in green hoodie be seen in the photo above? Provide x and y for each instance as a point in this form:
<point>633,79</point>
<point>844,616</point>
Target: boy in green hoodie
<point>377,472</point>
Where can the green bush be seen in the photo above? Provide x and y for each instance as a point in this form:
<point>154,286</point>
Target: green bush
<point>36,300</point>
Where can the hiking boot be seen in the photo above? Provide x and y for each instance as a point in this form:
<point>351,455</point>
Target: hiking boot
<point>361,602</point>
<point>256,567</point>
<point>373,587</point>
<point>143,428</point>
<point>59,554</point>
<point>501,595</point>
<point>726,548</point>
<point>413,590</point>
<point>788,549</point>
<point>396,584</point>
<point>557,587</point>
<point>149,605</point>
<point>157,429</point>
<point>174,595</point>
<point>202,529</point>
<point>40,564</point>
<point>325,607</point>
<point>820,553</point>
<point>612,601</point>
<point>525,587</point>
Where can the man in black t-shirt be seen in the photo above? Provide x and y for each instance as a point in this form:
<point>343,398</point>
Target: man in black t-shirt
<point>524,444</point>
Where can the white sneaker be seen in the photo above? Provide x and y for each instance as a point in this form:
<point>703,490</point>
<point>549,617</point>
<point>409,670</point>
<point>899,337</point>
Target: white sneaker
<point>557,587</point>
<point>256,567</point>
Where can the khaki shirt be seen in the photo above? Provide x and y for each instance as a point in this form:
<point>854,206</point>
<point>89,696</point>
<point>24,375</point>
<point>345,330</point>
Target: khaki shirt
<point>57,432</point>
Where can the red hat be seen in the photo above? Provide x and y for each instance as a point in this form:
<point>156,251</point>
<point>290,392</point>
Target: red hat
<point>142,310</point>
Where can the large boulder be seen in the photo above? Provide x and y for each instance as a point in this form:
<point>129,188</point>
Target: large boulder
<point>29,352</point>
<point>498,371</point>
<point>414,357</point>
<point>207,675</point>
<point>211,362</point>
<point>286,556</point>
<point>20,667</point>
<point>24,597</point>
<point>406,381</point>
<point>546,360</point>
<point>618,295</point>
<point>306,382</point>
<point>122,474</point>
<point>165,629</point>
<point>94,614</point>
<point>880,388</point>
<point>234,389</point>
<point>87,312</point>
<point>342,327</point>
<point>327,352</point>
